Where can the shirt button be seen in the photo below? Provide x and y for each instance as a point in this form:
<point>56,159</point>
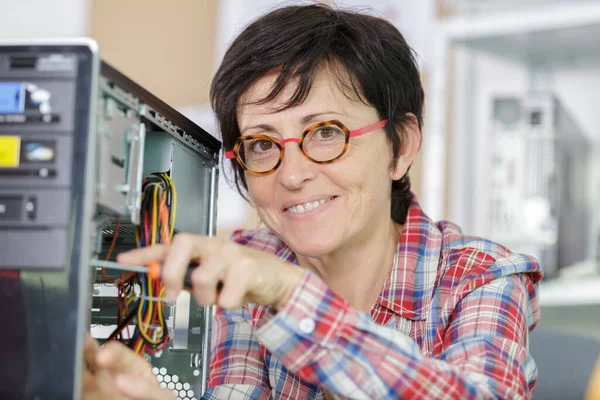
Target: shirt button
<point>307,325</point>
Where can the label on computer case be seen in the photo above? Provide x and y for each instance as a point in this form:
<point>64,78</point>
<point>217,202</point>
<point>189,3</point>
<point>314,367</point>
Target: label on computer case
<point>23,102</point>
<point>10,151</point>
<point>37,151</point>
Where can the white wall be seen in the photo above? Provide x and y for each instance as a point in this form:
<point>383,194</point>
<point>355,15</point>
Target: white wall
<point>44,18</point>
<point>414,19</point>
<point>578,88</point>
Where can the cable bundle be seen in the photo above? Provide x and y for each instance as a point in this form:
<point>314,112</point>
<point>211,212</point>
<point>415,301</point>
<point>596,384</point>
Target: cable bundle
<point>158,212</point>
<point>159,201</point>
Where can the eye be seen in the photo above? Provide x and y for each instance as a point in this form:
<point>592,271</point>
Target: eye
<point>326,133</point>
<point>260,146</point>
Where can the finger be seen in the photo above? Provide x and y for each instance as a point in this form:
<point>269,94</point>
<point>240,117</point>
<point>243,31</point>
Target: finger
<point>90,350</point>
<point>235,285</point>
<point>116,357</point>
<point>144,255</point>
<point>206,278</point>
<point>146,390</point>
<point>88,383</point>
<point>184,249</point>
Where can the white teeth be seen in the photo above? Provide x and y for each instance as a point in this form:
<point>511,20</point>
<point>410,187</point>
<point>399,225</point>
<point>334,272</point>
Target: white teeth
<point>302,208</point>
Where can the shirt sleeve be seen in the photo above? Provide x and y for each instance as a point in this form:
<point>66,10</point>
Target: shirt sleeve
<point>237,369</point>
<point>483,352</point>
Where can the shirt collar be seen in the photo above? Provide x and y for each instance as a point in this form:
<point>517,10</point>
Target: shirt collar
<point>410,284</point>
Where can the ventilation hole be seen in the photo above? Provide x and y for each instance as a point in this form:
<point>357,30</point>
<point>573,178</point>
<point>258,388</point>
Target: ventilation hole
<point>182,390</point>
<point>124,230</point>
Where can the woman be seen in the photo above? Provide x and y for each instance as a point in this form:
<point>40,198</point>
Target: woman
<point>350,290</point>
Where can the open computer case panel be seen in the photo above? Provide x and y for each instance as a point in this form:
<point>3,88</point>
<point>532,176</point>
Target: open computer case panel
<point>92,164</point>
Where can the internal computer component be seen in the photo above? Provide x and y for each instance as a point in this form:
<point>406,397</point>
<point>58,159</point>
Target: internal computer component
<point>92,164</point>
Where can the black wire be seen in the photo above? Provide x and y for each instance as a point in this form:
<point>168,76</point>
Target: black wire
<point>125,322</point>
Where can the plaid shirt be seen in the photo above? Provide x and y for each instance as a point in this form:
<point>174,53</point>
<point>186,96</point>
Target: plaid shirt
<point>451,322</point>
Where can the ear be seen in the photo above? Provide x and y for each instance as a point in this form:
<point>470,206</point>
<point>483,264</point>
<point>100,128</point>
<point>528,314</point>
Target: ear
<point>411,138</point>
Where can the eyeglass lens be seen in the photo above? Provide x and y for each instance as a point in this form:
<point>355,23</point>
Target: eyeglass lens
<point>321,144</point>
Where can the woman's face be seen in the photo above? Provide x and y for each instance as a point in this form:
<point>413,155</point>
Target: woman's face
<point>349,198</point>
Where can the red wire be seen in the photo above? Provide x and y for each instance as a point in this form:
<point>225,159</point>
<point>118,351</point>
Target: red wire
<point>145,229</point>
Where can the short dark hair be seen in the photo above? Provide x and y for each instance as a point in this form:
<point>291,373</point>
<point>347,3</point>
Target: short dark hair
<point>297,41</point>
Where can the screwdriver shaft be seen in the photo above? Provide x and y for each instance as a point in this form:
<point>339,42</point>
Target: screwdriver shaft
<point>115,265</point>
<point>187,280</point>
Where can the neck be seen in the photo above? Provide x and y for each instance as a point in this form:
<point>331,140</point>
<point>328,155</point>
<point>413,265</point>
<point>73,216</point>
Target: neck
<point>358,271</point>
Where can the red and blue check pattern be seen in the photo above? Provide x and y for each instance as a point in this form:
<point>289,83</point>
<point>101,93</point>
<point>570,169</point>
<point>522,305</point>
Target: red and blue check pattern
<point>451,322</point>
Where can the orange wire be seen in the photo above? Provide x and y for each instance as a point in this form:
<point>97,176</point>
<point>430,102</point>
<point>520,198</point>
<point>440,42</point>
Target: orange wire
<point>110,250</point>
<point>164,219</point>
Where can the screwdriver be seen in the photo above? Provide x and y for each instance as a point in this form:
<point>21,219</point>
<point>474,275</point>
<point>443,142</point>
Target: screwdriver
<point>153,270</point>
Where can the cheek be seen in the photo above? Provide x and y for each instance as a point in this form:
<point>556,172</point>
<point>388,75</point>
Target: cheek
<point>367,171</point>
<point>260,189</point>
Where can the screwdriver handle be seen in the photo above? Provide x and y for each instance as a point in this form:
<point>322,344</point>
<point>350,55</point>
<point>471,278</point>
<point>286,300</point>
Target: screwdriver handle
<point>187,280</point>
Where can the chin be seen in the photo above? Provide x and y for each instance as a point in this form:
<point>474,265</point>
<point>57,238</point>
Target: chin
<point>310,246</point>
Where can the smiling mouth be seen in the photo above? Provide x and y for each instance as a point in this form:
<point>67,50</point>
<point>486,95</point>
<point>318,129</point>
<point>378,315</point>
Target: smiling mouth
<point>308,206</point>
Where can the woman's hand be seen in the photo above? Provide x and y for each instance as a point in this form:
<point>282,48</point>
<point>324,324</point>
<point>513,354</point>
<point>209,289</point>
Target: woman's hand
<point>247,275</point>
<point>116,373</point>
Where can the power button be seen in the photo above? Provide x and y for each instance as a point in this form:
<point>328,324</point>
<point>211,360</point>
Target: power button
<point>31,208</point>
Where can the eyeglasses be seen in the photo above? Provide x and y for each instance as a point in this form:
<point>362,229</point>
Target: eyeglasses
<point>323,143</point>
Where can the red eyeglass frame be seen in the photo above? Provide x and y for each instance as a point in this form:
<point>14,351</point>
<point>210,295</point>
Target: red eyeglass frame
<point>349,134</point>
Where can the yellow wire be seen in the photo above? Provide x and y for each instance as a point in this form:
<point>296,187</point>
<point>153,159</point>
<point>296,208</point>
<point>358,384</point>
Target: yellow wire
<point>154,215</point>
<point>161,308</point>
<point>173,203</point>
<point>143,327</point>
<point>139,346</point>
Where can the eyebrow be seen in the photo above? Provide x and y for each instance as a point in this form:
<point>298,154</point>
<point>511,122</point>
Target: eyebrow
<point>307,118</point>
<point>304,120</point>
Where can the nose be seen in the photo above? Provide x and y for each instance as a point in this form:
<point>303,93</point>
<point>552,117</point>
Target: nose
<point>295,168</point>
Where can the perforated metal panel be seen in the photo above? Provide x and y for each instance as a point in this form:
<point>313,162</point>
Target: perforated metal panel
<point>183,390</point>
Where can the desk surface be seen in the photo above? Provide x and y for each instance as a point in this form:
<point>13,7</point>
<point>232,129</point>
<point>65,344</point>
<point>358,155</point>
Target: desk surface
<point>578,284</point>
